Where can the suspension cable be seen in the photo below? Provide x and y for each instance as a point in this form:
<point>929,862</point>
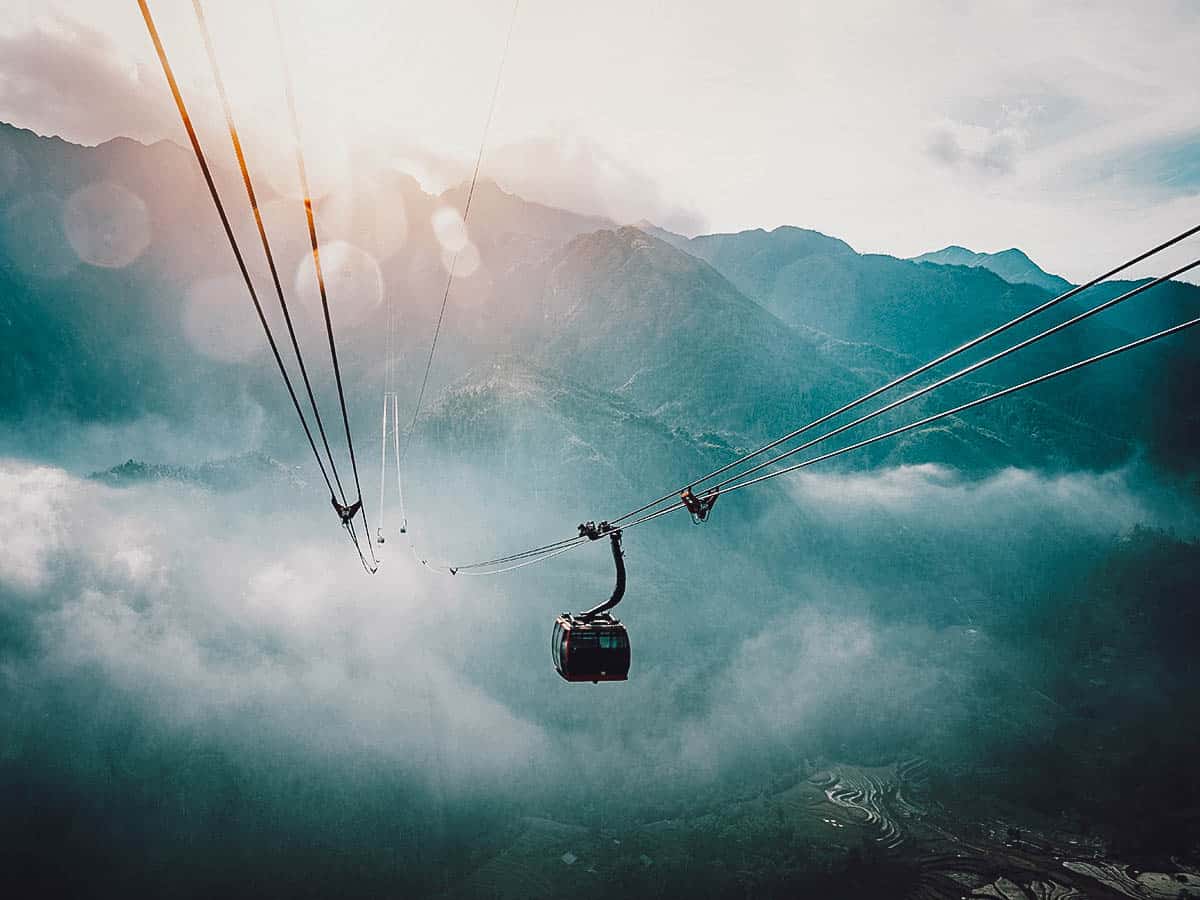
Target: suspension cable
<point>202,160</point>
<point>895,382</point>
<point>714,489</point>
<point>316,255</point>
<point>466,213</point>
<point>396,451</point>
<point>988,398</point>
<point>402,453</point>
<point>390,410</point>
<point>383,436</point>
<point>911,426</point>
<point>956,375</point>
<point>262,233</point>
<point>520,565</point>
<point>369,568</point>
<point>920,370</point>
<point>388,400</point>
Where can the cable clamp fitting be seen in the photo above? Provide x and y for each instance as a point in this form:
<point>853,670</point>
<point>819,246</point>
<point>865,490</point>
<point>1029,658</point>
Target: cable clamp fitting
<point>346,513</point>
<point>699,507</point>
<point>594,532</point>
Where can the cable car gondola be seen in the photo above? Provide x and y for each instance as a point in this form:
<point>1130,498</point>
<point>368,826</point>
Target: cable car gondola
<point>593,646</point>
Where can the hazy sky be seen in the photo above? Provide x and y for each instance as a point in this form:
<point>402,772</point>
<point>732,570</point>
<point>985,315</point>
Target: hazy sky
<point>1069,129</point>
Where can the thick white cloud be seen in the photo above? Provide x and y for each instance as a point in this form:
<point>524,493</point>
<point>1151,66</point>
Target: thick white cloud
<point>939,499</point>
<point>30,522</point>
<point>208,616</point>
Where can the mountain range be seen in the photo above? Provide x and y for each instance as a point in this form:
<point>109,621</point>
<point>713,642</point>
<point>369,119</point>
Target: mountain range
<point>739,337</point>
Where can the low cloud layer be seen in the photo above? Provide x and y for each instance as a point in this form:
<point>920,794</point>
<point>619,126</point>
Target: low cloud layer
<point>212,612</point>
<point>195,620</point>
<point>165,648</point>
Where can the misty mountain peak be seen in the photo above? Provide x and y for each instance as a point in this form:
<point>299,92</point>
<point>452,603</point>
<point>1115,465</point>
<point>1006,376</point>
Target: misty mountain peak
<point>484,188</point>
<point>1013,265</point>
<point>628,255</point>
<point>636,239</point>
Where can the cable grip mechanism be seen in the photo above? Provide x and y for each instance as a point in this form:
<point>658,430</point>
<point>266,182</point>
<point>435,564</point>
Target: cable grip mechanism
<point>594,532</point>
<point>699,507</point>
<point>346,513</point>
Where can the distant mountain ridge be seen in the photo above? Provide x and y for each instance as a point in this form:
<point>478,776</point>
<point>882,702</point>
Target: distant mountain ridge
<point>1013,265</point>
<point>742,336</point>
<point>232,474</point>
<point>673,335</point>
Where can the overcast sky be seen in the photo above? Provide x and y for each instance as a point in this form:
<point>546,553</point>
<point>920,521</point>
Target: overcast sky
<point>1069,129</point>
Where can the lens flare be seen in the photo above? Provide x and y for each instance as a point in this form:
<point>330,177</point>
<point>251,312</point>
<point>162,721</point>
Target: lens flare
<point>106,225</point>
<point>375,215</point>
<point>450,229</point>
<point>327,164</point>
<point>353,280</point>
<point>464,263</point>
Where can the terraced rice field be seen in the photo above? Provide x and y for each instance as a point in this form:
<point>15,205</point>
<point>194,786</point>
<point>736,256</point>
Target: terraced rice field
<point>880,798</point>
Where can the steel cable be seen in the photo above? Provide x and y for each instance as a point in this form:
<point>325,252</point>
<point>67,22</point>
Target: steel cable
<point>316,255</point>
<point>955,376</point>
<point>202,160</point>
<point>988,398</point>
<point>532,559</point>
<point>920,370</point>
<point>974,342</point>
<point>466,214</point>
<point>262,233</point>
<point>713,490</point>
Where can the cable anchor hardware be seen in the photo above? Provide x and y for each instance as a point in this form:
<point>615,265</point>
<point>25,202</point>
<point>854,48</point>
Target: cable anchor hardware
<point>594,532</point>
<point>346,513</point>
<point>699,507</point>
